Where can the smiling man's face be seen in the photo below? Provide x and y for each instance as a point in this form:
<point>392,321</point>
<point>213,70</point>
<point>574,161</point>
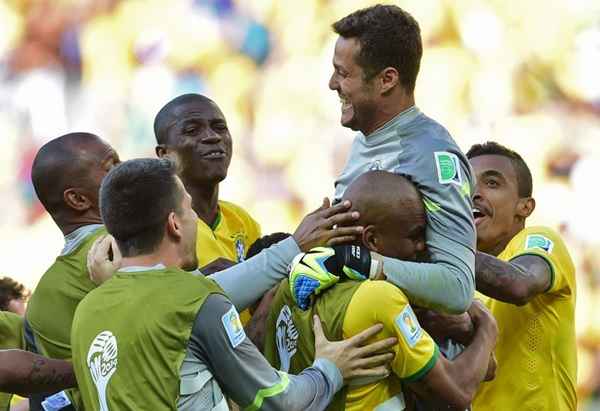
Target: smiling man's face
<point>495,201</point>
<point>357,95</point>
<point>199,141</point>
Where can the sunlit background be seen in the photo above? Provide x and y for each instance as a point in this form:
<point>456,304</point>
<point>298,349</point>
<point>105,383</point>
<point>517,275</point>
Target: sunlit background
<point>525,73</point>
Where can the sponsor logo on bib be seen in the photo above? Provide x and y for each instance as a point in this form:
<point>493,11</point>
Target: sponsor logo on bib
<point>102,363</point>
<point>286,337</point>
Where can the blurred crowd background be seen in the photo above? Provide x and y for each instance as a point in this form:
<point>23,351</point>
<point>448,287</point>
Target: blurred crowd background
<point>526,74</point>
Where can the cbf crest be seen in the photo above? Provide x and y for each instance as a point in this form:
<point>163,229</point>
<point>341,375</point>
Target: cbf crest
<point>240,247</point>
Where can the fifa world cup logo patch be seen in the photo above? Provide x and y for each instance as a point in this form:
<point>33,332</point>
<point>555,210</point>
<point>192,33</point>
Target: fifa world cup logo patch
<point>102,363</point>
<point>287,338</point>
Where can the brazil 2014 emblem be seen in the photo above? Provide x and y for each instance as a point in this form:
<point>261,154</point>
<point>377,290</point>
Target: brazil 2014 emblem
<point>240,248</point>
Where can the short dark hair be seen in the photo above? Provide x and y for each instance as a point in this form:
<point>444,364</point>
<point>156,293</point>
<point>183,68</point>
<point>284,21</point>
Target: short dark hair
<point>11,290</point>
<point>136,198</point>
<point>265,241</point>
<point>165,115</point>
<point>524,179</point>
<point>388,37</point>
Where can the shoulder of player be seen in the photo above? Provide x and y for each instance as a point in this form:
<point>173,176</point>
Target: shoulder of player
<point>9,319</point>
<point>542,237</point>
<point>229,209</point>
<point>544,242</point>
<point>379,294</point>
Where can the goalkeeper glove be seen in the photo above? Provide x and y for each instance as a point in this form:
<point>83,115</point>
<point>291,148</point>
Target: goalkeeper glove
<point>320,268</point>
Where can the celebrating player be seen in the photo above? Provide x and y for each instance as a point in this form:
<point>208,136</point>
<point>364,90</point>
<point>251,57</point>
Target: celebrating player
<point>529,274</point>
<point>66,175</point>
<point>392,213</point>
<point>131,335</point>
<point>193,132</point>
<point>376,61</point>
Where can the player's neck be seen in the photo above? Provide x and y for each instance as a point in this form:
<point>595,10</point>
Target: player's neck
<point>389,109</point>
<point>166,254</point>
<point>205,201</point>
<point>67,226</point>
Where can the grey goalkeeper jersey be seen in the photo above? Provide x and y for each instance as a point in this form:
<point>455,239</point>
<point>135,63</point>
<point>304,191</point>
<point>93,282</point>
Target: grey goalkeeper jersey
<point>417,147</point>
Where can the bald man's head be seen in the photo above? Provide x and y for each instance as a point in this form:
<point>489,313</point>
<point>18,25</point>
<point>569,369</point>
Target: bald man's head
<point>391,210</point>
<point>67,173</point>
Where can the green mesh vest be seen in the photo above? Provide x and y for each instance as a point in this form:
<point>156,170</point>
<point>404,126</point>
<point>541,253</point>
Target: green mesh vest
<point>130,336</point>
<point>11,337</point>
<point>290,340</point>
<point>52,306</point>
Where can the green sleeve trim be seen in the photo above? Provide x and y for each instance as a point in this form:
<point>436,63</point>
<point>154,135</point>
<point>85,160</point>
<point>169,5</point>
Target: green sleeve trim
<point>217,221</point>
<point>426,368</point>
<point>269,392</point>
<point>545,258</point>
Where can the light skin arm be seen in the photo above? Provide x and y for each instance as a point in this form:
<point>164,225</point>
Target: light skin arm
<point>25,373</point>
<point>455,382</point>
<point>516,281</point>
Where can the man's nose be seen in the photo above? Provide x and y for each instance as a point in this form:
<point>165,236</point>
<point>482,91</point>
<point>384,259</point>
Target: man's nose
<point>210,136</point>
<point>333,84</point>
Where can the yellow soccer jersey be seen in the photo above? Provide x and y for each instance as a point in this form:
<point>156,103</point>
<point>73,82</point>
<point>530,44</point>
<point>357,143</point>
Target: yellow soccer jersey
<point>536,350</point>
<point>230,237</point>
<point>415,354</point>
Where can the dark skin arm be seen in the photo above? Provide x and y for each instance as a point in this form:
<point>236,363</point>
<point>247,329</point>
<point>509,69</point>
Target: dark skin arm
<point>454,383</point>
<point>25,373</point>
<point>515,282</point>
<point>257,327</point>
<point>441,326</point>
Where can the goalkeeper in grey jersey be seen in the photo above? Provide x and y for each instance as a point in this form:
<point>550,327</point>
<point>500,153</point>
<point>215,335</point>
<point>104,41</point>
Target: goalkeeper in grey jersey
<point>376,61</point>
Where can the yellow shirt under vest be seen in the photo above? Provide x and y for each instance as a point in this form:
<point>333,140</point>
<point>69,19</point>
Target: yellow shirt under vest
<point>415,354</point>
<point>229,237</point>
<point>536,351</point>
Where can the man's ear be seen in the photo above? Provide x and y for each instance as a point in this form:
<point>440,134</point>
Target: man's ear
<point>388,79</point>
<point>525,207</point>
<point>76,200</point>
<point>174,226</point>
<point>160,150</point>
<point>370,239</point>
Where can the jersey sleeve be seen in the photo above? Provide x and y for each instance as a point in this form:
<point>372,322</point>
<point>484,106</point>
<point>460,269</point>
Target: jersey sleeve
<point>547,244</point>
<point>444,178</point>
<point>380,302</point>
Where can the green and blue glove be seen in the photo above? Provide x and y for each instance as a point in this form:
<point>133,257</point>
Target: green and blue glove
<point>313,272</point>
